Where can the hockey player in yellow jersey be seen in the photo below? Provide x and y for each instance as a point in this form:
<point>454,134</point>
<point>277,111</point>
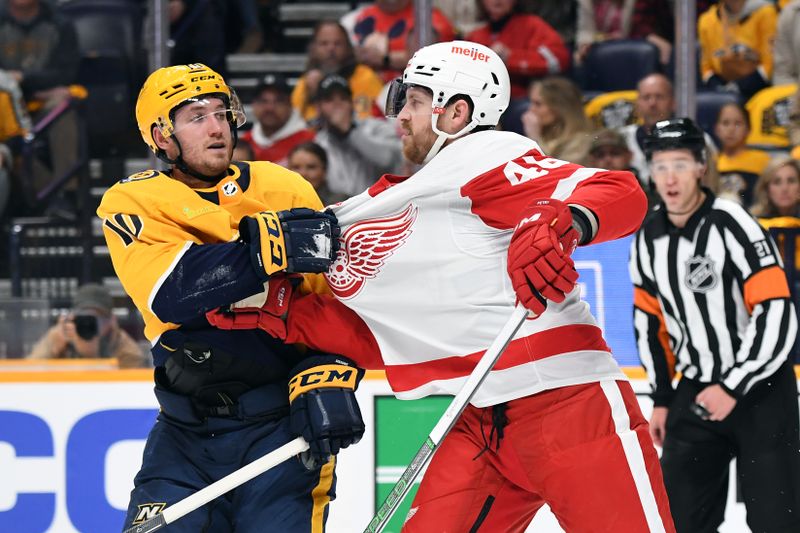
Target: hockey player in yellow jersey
<point>206,233</point>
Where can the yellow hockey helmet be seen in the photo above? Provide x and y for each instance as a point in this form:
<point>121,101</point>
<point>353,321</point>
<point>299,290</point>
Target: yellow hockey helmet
<point>168,88</point>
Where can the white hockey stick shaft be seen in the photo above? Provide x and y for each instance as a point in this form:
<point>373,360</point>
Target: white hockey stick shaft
<point>220,487</point>
<point>448,419</point>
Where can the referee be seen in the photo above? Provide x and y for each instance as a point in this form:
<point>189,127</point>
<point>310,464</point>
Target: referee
<point>711,302</point>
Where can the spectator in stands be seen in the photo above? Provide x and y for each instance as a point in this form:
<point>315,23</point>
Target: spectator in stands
<point>278,127</point>
<point>15,123</point>
<point>331,52</point>
<point>777,201</point>
<point>735,38</point>
<point>777,191</point>
<point>561,16</point>
<point>787,45</point>
<point>39,50</point>
<point>243,152</point>
<point>310,161</point>
<point>244,34</point>
<point>602,20</point>
<point>196,33</point>
<point>605,20</point>
<point>383,35</point>
<point>787,64</point>
<point>738,165</point>
<point>794,126</point>
<point>654,102</point>
<point>653,20</point>
<point>6,162</point>
<point>609,150</point>
<point>556,121</point>
<point>359,151</point>
<point>530,48</point>
<point>90,330</point>
<point>37,47</point>
<point>463,15</point>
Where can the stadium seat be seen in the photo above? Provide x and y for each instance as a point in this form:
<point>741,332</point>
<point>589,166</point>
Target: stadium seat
<point>708,104</point>
<point>612,110</point>
<point>512,118</point>
<point>111,69</point>
<point>618,65</point>
<point>769,111</point>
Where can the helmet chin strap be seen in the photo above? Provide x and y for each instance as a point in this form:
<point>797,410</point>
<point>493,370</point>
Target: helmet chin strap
<point>441,136</point>
<point>181,165</point>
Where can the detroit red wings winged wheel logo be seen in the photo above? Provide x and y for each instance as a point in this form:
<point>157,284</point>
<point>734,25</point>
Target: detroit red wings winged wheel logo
<point>364,248</point>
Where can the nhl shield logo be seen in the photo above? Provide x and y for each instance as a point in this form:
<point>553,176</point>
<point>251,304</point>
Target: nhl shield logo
<point>700,274</point>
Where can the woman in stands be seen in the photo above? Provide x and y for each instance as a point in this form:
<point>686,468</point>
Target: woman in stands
<point>555,120</point>
<point>738,165</point>
<point>310,161</point>
<point>777,202</point>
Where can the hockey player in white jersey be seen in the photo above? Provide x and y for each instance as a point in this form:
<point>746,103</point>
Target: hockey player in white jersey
<point>431,267</point>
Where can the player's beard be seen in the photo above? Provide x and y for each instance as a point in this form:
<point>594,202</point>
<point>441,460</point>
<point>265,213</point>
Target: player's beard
<point>207,164</point>
<point>416,145</point>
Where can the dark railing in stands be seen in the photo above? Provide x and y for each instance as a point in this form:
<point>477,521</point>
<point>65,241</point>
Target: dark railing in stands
<point>79,230</point>
<point>787,242</point>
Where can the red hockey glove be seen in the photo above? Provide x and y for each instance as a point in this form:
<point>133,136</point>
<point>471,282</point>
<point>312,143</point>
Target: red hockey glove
<point>539,261</point>
<point>270,316</point>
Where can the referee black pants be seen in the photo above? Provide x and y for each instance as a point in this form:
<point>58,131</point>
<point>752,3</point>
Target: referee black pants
<point>761,432</point>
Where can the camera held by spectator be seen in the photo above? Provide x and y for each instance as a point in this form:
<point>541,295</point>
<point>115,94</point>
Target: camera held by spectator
<point>89,330</point>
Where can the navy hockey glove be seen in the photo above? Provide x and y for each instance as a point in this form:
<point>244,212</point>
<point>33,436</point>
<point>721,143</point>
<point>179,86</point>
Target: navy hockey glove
<point>539,261</point>
<point>297,240</point>
<point>324,410</point>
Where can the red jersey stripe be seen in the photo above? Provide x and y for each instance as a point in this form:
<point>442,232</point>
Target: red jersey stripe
<point>555,341</point>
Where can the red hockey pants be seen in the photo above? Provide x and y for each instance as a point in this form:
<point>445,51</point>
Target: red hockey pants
<point>583,449</point>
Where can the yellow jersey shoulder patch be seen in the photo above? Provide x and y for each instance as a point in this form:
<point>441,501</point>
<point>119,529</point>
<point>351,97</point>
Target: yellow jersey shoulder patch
<point>139,176</point>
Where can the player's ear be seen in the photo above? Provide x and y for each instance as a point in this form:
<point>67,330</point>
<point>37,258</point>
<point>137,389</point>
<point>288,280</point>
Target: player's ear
<point>459,113</point>
<point>161,141</point>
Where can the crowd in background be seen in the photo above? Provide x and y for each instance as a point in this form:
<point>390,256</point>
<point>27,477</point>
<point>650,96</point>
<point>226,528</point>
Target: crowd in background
<point>328,124</point>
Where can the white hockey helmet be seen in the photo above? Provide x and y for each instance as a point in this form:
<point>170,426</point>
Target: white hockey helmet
<point>451,68</point>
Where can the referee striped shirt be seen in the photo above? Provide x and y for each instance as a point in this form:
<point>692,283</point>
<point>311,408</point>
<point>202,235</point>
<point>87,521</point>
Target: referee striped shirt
<point>710,299</point>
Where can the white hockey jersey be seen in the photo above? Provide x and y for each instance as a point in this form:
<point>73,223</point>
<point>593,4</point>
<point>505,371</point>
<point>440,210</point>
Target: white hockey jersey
<point>423,266</point>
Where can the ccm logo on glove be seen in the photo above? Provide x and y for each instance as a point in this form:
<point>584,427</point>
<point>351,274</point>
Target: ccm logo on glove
<point>323,406</point>
<point>298,240</point>
<point>275,239</point>
<point>334,376</point>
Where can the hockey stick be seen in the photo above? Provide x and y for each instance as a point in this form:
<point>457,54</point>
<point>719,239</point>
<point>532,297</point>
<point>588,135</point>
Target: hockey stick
<point>220,487</point>
<point>445,424</point>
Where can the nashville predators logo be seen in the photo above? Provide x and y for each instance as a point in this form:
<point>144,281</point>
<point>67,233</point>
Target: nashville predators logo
<point>364,248</point>
<point>700,274</point>
<point>230,188</point>
<point>148,511</point>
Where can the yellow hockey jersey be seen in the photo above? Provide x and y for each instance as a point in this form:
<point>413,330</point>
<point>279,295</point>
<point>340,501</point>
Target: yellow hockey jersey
<point>150,220</point>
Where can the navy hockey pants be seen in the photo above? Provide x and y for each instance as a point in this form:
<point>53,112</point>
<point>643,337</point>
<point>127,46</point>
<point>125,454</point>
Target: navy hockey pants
<point>179,461</point>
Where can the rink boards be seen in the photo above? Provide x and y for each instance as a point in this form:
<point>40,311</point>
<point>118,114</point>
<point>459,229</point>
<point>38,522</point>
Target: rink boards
<point>72,432</point>
<point>71,442</point>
